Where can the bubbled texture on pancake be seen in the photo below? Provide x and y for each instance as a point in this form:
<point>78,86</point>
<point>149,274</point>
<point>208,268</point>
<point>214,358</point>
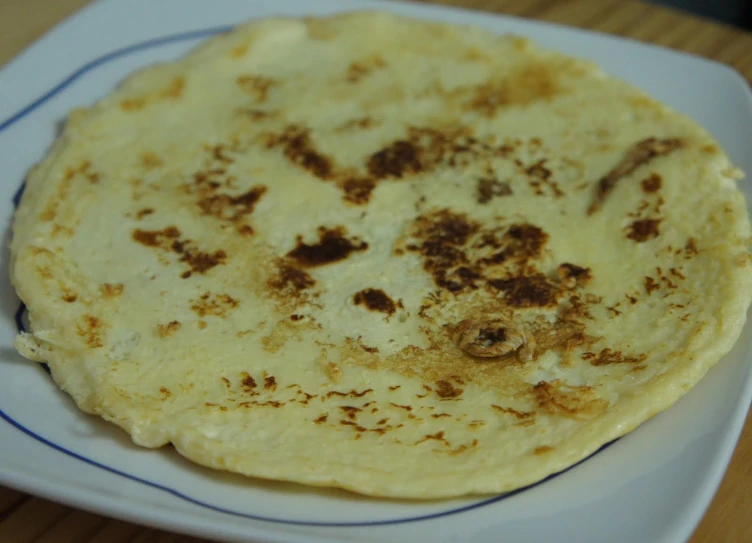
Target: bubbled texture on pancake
<point>403,258</point>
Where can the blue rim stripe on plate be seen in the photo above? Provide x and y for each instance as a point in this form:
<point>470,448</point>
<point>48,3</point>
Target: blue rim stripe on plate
<point>13,119</point>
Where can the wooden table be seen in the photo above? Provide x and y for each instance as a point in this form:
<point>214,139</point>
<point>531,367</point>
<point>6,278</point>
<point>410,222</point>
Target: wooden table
<point>24,518</point>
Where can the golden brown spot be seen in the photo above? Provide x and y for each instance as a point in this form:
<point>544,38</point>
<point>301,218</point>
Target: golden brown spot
<point>239,50</point>
<point>111,290</point>
<point>360,394</point>
<point>358,70</point>
<point>333,371</point>
<point>247,383</point>
<point>362,123</point>
<point>650,285</point>
<point>539,177</point>
<point>444,233</point>
<point>445,389</point>
<point>229,208</point>
<point>691,247</point>
<point>524,241</point>
<point>534,290</point>
<point>354,425</point>
<point>58,229</point>
<point>91,329</point>
<point>651,183</point>
<point>332,246</point>
<point>49,214</point>
<point>350,412</point>
<point>271,403</point>
<point>165,330</point>
<point>201,262</point>
<point>398,159</point>
<point>425,149</point>
<point>572,276</point>
<point>150,160</point>
<point>564,335</point>
<point>256,85</point>
<point>642,153</point>
<point>167,239</point>
<point>68,295</point>
<point>643,205</point>
<point>222,206</point>
<point>644,230</point>
<point>375,300</point>
<point>218,305</point>
<point>270,382</point>
<point>175,90</point>
<point>438,436</point>
<point>45,272</point>
<point>608,357</point>
<point>543,449</point>
<point>446,227</point>
<point>396,387</point>
<point>201,325</point>
<point>405,407</point>
<point>533,83</point>
<point>520,243</point>
<point>290,278</point>
<point>522,415</point>
<point>165,392</point>
<point>133,104</point>
<point>83,169</point>
<point>557,398</point>
<point>612,309</point>
<point>422,150</point>
<point>575,309</point>
<point>358,191</point>
<point>299,149</point>
<point>155,238</point>
<point>322,419</point>
<point>676,273</point>
<point>351,394</point>
<point>365,347</point>
<point>219,154</point>
<point>487,188</point>
<point>141,213</point>
<point>307,397</point>
<point>258,114</point>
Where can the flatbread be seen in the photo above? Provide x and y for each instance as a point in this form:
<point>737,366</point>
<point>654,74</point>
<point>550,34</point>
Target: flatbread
<point>403,258</point>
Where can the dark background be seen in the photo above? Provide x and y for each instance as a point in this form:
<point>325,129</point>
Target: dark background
<point>734,12</point>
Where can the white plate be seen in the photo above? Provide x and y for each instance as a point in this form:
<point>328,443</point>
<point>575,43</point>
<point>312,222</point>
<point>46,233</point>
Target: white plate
<point>652,485</point>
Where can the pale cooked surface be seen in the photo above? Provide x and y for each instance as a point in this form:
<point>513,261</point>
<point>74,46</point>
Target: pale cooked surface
<point>149,244</point>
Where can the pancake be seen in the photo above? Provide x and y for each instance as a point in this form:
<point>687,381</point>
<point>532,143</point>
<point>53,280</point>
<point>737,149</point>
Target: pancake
<point>403,258</point>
